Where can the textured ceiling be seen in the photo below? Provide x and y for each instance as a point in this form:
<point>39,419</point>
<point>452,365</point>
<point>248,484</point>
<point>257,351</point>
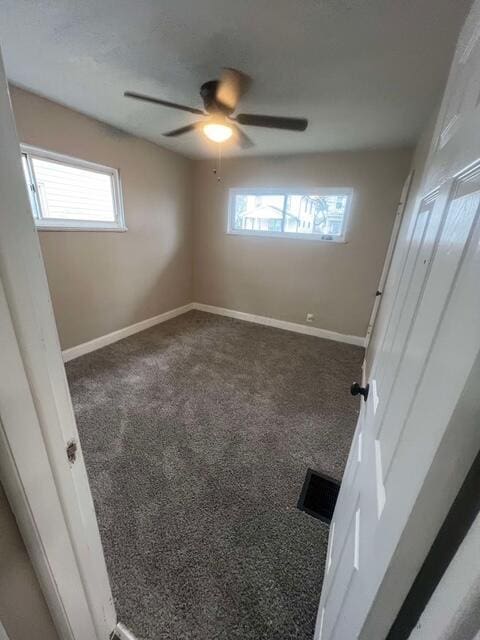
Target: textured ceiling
<point>366,73</point>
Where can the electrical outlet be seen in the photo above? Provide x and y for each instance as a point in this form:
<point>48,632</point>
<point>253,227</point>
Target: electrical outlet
<point>310,317</point>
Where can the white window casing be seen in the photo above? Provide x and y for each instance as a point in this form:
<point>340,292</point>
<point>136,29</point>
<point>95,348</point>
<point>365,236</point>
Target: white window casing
<point>69,194</point>
<point>290,213</point>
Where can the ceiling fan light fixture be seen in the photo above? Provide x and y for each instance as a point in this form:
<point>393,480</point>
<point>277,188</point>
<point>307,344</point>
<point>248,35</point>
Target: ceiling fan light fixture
<point>217,132</point>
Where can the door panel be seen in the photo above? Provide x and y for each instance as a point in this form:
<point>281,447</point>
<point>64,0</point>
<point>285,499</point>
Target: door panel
<point>417,266</point>
<point>455,143</point>
<point>346,569</point>
<point>348,498</point>
<point>422,219</point>
<point>442,382</point>
<point>459,217</point>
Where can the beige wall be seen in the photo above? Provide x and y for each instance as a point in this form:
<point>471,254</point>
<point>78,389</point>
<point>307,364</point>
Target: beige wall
<point>103,281</point>
<point>23,611</point>
<point>286,278</point>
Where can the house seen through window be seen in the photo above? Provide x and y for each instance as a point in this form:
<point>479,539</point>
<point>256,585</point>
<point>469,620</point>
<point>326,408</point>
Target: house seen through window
<point>319,214</point>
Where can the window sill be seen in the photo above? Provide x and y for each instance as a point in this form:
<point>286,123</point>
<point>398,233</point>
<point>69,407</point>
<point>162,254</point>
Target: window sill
<point>287,236</point>
<point>53,227</point>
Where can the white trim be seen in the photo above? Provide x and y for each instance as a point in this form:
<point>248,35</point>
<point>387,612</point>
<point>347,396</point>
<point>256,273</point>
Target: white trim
<point>287,235</point>
<point>57,224</point>
<point>62,224</point>
<point>282,324</point>
<point>122,633</point>
<point>3,633</point>
<point>389,255</point>
<point>49,495</point>
<point>65,227</point>
<point>115,336</point>
<point>315,237</point>
<point>62,157</point>
<point>356,549</point>
<point>381,496</point>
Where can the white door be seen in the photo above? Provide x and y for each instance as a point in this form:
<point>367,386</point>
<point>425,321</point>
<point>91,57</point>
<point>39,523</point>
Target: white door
<point>417,432</point>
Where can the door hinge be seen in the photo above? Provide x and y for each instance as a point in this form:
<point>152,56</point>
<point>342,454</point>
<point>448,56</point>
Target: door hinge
<point>72,451</point>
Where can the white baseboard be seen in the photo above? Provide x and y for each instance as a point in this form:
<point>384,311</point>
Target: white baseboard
<point>282,324</point>
<point>122,633</point>
<point>109,338</point>
<point>3,633</point>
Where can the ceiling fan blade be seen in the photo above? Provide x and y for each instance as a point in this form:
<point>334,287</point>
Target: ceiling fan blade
<point>165,103</point>
<point>241,137</point>
<point>272,122</point>
<point>233,84</point>
<point>179,132</point>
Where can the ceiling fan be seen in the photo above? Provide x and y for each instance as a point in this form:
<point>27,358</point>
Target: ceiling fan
<point>220,99</point>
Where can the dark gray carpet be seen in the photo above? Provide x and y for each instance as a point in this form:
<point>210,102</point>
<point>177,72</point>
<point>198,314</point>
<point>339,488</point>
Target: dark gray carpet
<point>197,435</point>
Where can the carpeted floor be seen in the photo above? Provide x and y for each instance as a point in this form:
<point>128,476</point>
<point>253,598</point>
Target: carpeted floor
<point>197,435</point>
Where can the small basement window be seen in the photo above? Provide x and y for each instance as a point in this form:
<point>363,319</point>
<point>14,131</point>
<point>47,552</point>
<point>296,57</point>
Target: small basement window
<point>71,194</point>
<point>314,214</point>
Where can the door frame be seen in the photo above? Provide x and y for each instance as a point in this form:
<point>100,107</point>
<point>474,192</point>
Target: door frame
<point>49,495</point>
<point>389,255</point>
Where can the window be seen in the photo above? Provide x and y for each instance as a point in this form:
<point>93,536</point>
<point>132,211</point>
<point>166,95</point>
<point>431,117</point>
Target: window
<point>319,214</point>
<point>66,193</point>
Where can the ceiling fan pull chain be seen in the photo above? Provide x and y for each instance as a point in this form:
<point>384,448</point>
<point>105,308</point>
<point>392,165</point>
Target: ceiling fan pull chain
<point>219,174</point>
<point>217,169</point>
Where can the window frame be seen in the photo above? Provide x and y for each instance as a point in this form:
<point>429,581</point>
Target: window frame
<point>61,224</point>
<point>320,191</point>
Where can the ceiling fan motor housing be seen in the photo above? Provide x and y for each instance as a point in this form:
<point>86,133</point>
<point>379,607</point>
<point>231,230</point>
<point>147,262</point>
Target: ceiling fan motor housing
<point>208,92</point>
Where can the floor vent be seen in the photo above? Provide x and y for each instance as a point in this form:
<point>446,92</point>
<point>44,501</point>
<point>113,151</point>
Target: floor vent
<point>319,495</point>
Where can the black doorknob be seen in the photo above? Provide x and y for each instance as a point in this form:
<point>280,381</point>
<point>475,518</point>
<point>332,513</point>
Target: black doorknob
<point>356,390</point>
